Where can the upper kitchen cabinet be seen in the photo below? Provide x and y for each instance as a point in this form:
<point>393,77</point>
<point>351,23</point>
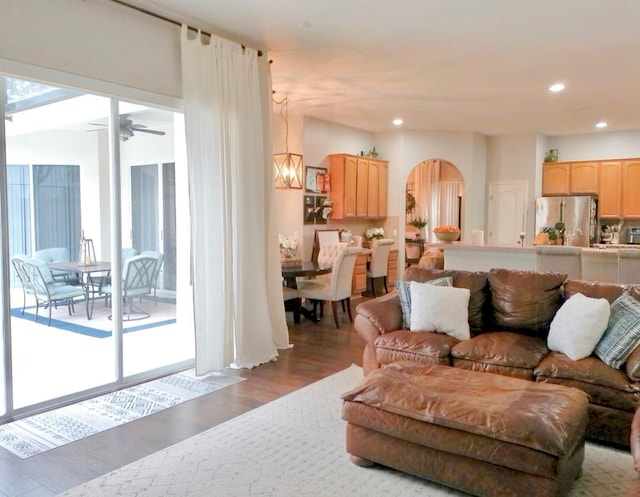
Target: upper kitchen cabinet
<point>583,178</point>
<point>609,198</point>
<point>555,178</point>
<point>630,187</point>
<point>570,178</point>
<point>358,186</point>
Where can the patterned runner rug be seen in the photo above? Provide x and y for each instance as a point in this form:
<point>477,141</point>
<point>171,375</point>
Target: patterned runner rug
<point>295,446</point>
<point>41,432</point>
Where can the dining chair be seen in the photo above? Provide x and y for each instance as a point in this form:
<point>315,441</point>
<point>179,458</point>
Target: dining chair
<point>137,280</point>
<point>337,288</point>
<point>379,263</point>
<point>46,291</point>
<point>292,301</point>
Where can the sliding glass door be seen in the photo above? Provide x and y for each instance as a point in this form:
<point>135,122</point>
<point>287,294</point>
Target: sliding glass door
<point>60,180</point>
<point>151,202</point>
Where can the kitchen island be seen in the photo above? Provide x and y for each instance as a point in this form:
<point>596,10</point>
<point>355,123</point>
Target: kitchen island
<point>470,257</point>
<point>612,263</point>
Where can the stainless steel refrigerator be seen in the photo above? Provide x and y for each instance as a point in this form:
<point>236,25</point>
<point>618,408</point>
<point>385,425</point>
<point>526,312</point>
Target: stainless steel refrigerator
<point>578,213</point>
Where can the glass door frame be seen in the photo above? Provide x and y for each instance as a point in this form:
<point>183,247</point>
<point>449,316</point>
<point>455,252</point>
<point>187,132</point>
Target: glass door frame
<point>7,410</point>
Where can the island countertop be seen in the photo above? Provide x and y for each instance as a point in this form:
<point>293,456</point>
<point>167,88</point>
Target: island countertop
<point>470,257</point>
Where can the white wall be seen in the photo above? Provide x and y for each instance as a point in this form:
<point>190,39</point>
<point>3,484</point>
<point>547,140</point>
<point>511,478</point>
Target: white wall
<point>103,41</point>
<point>515,158</point>
<point>467,151</point>
<point>594,146</point>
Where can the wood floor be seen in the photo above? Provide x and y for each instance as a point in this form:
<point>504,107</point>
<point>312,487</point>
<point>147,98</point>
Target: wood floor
<point>319,351</point>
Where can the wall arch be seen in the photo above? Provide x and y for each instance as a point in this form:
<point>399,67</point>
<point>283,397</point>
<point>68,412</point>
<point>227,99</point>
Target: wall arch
<point>438,188</point>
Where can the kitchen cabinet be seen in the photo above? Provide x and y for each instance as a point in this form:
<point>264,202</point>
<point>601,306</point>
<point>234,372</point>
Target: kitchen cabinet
<point>555,178</point>
<point>630,186</point>
<point>392,269</point>
<point>570,178</point>
<point>359,280</point>
<point>362,187</point>
<point>583,178</point>
<point>609,197</point>
<point>358,187</point>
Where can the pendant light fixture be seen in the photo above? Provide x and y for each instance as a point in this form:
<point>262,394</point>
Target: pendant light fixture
<point>287,166</point>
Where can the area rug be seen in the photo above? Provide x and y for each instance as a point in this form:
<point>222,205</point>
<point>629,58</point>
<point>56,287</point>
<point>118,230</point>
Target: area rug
<point>295,446</point>
<point>41,432</point>
<point>161,312</point>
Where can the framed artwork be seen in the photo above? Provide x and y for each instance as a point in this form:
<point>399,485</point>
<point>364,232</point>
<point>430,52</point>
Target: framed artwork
<point>320,217</point>
<point>314,179</point>
<point>309,212</point>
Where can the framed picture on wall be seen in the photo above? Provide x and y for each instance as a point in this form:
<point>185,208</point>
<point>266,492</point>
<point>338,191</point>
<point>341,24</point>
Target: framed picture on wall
<point>320,218</point>
<point>314,180</point>
<point>309,213</point>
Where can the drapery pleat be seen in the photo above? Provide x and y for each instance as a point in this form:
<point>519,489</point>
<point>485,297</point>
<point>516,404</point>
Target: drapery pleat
<point>236,270</point>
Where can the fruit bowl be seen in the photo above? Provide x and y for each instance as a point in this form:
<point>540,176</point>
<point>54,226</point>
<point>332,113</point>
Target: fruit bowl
<point>447,236</point>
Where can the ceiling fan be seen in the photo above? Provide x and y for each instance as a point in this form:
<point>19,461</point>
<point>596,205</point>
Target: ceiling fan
<point>128,127</point>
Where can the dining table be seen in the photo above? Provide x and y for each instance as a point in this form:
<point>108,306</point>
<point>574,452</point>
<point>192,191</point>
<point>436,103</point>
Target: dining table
<point>306,269</point>
<point>91,276</point>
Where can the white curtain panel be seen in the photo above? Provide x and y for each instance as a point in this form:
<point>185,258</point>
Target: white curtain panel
<point>449,210</point>
<point>238,308</point>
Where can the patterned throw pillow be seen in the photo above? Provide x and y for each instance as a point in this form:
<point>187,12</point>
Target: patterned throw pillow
<point>404,293</point>
<point>623,332</point>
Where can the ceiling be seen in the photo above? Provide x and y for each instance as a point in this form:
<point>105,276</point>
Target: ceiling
<point>451,65</point>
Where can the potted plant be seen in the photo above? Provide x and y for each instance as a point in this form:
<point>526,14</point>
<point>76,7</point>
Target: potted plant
<point>420,224</point>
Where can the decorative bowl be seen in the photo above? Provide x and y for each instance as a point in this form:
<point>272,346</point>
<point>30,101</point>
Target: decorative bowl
<point>447,236</point>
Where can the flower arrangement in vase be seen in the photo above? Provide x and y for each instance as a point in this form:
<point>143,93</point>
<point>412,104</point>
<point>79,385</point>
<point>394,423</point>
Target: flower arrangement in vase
<point>289,251</point>
<point>374,234</point>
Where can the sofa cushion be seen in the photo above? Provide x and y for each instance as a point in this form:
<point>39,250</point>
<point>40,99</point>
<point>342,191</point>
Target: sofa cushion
<point>503,349</point>
<point>594,289</point>
<point>525,300</point>
<point>474,281</point>
<point>578,326</point>
<point>417,346</point>
<point>605,386</point>
<point>440,309</point>
<point>404,294</point>
<point>633,365</point>
<point>623,333</point>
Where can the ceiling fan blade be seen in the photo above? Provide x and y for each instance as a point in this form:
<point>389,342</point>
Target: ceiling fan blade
<point>97,124</point>
<point>152,131</point>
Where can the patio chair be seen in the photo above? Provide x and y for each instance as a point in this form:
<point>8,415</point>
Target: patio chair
<point>137,280</point>
<point>57,254</point>
<point>27,289</point>
<point>156,273</point>
<point>46,291</point>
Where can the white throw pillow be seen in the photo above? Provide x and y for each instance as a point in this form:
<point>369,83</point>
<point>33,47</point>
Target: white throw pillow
<point>578,326</point>
<point>440,308</point>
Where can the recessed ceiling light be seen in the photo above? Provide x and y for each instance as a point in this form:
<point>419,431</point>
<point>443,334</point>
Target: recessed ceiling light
<point>556,87</point>
<point>398,122</point>
<point>601,124</point>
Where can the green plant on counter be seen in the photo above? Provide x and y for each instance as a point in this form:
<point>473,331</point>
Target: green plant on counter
<point>419,222</point>
<point>552,233</point>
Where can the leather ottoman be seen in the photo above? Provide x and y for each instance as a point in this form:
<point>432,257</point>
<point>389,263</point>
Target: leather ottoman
<point>482,433</point>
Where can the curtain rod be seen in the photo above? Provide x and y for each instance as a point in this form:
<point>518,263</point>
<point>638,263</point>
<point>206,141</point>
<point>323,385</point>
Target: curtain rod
<point>164,18</point>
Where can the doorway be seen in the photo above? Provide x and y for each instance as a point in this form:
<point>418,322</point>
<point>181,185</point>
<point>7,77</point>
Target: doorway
<point>507,208</point>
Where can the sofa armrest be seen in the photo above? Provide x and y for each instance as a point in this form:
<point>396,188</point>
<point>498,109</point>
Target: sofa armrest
<point>635,441</point>
<point>374,318</point>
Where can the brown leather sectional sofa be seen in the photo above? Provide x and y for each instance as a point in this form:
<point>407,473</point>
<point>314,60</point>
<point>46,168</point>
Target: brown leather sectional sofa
<point>509,315</point>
